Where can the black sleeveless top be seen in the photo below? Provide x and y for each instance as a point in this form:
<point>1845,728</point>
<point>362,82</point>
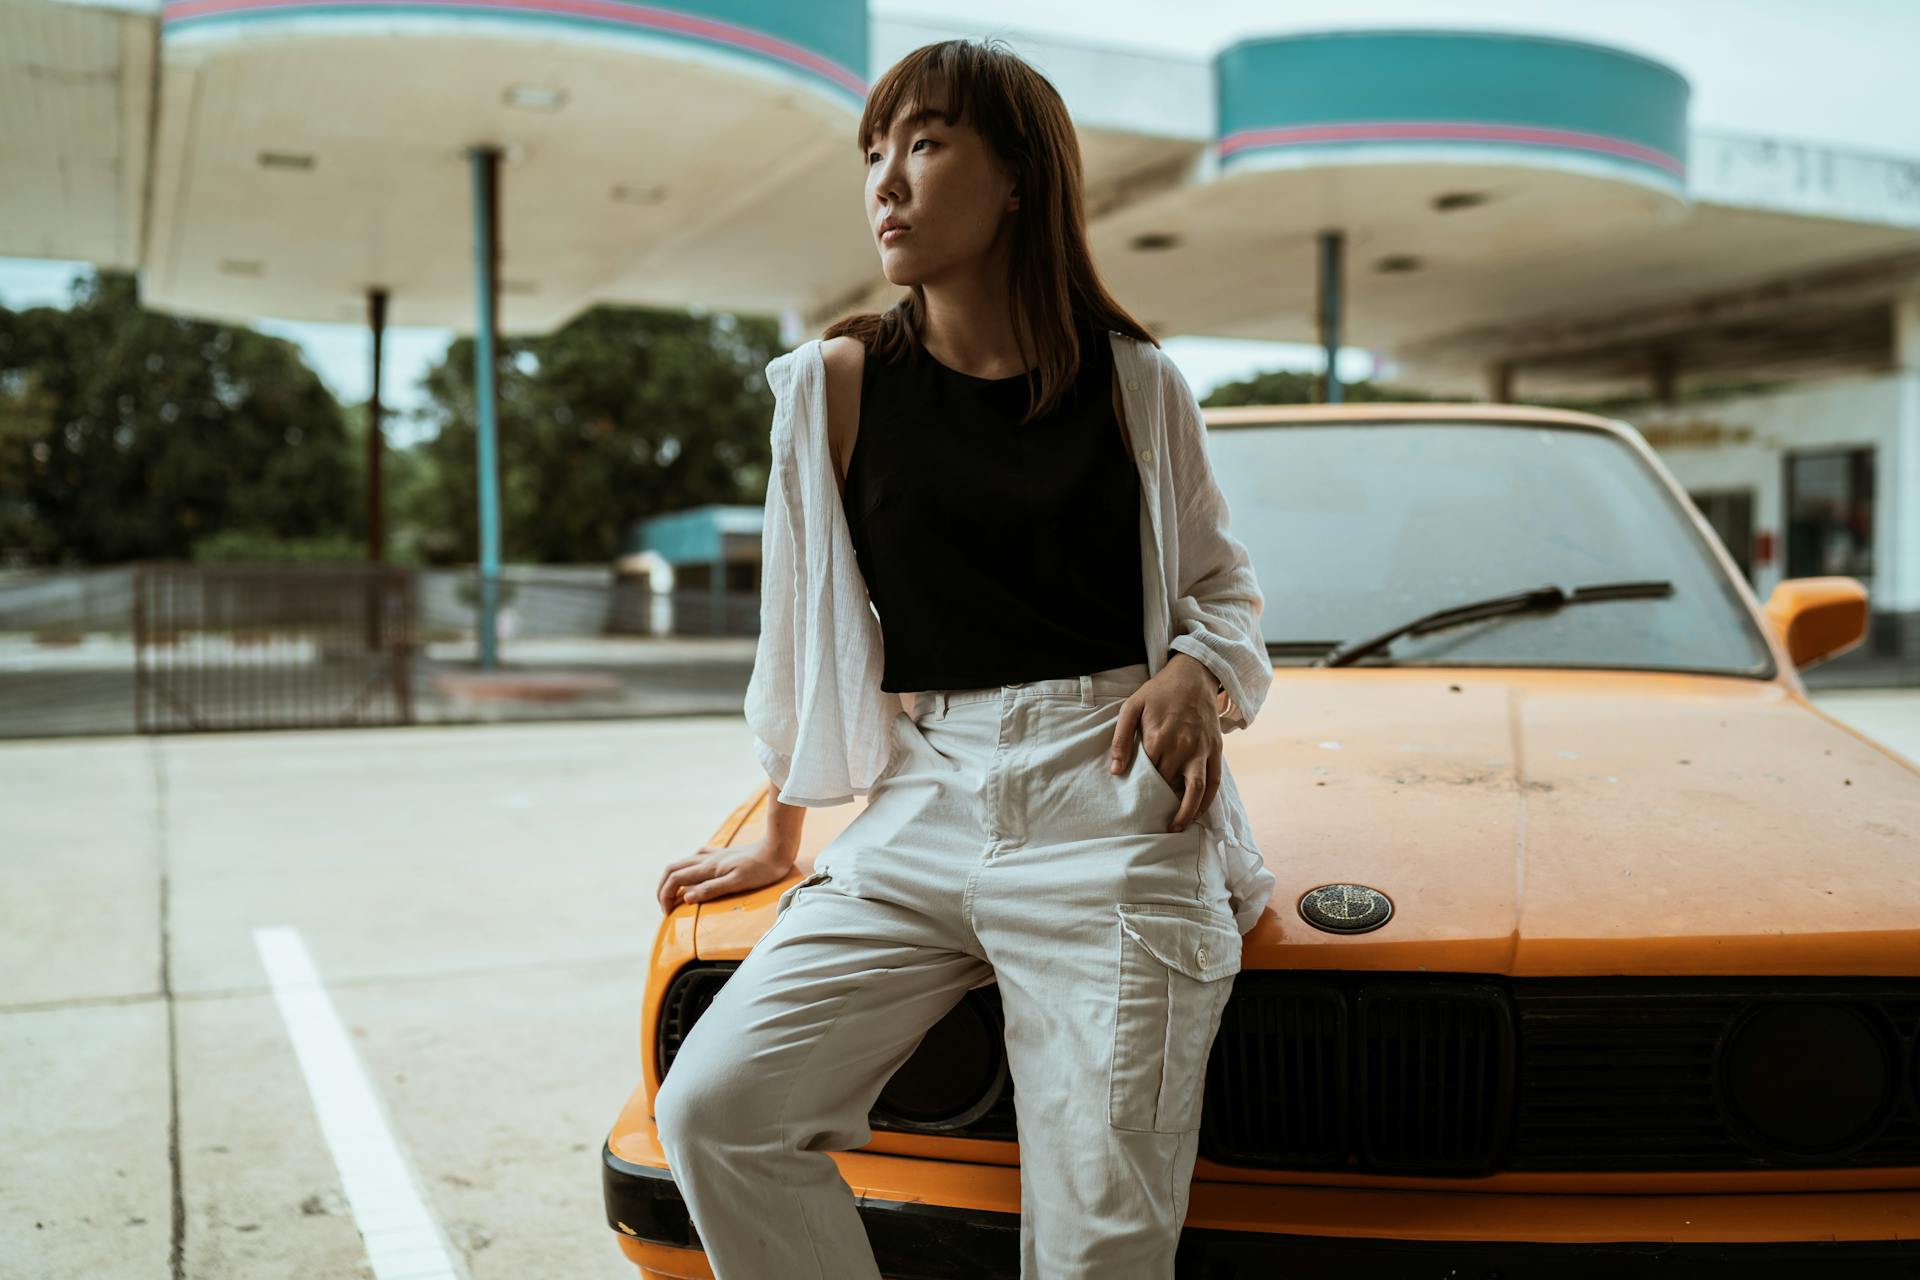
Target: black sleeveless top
<point>995,551</point>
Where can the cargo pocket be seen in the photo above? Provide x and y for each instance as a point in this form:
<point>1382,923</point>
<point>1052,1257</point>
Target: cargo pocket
<point>1175,969</point>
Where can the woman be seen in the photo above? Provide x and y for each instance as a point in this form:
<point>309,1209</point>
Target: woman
<point>1010,472</point>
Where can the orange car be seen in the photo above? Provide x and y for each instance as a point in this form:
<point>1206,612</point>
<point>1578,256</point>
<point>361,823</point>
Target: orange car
<point>1596,949</point>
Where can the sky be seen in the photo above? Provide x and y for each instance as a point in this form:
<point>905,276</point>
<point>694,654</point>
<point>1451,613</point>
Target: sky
<point>1838,73</point>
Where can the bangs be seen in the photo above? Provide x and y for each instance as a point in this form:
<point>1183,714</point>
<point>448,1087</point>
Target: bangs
<point>932,78</point>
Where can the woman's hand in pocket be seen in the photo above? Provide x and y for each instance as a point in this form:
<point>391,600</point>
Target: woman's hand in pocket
<point>1177,717</point>
<point>723,869</point>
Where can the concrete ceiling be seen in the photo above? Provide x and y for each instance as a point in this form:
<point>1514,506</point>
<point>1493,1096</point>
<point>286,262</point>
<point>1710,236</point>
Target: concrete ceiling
<point>280,173</point>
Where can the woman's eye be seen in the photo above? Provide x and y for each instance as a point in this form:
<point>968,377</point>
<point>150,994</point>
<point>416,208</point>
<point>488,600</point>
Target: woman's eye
<point>916,142</point>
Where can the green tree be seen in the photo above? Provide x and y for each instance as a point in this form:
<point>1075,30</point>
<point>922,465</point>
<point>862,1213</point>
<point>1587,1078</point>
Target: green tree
<point>127,433</point>
<point>1288,386</point>
<point>407,484</point>
<point>620,414</point>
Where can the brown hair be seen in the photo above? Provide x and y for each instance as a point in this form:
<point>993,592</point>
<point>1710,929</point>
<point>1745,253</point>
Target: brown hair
<point>1054,287</point>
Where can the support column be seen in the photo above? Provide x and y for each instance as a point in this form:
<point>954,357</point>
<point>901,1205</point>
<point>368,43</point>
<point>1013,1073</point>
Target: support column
<point>1331,244</point>
<point>1499,382</point>
<point>376,458</point>
<point>1663,368</point>
<point>486,193</point>
<point>376,433</point>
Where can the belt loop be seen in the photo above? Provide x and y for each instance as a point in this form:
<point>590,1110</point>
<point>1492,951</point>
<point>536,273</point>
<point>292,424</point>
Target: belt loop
<point>1086,689</point>
<point>946,696</point>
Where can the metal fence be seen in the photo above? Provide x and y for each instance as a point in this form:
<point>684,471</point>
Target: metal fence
<point>172,647</point>
<point>236,647</point>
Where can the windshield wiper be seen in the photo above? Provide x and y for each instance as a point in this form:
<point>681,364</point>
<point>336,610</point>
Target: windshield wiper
<point>1538,600</point>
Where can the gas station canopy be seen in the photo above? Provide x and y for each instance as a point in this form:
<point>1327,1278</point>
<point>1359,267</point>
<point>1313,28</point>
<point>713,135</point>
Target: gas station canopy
<point>1502,199</point>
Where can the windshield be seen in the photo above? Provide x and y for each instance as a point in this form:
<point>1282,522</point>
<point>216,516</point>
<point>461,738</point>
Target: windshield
<point>1357,528</point>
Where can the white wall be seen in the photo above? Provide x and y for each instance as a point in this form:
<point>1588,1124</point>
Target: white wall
<point>1754,433</point>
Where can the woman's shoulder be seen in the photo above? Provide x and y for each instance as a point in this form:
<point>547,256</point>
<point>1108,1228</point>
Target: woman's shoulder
<point>845,358</point>
<point>839,355</point>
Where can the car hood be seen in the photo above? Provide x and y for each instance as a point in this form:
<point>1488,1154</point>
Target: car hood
<point>1580,823</point>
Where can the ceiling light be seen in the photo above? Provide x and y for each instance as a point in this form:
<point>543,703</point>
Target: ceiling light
<point>531,97</point>
<point>639,193</point>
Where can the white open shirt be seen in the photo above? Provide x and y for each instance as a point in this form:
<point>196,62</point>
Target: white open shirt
<point>822,723</point>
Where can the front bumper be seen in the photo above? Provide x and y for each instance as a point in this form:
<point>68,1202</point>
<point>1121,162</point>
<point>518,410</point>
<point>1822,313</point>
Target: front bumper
<point>1360,1234</point>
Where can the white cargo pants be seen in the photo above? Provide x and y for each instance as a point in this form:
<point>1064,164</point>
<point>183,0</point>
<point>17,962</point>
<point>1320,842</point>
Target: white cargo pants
<point>996,846</point>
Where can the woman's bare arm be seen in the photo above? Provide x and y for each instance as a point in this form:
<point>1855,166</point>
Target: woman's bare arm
<point>722,869</point>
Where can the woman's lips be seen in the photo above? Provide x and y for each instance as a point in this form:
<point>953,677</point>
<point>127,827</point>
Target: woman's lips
<point>887,236</point>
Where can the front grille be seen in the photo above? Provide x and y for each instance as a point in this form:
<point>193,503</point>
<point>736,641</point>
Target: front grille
<point>1618,1073</point>
<point>1436,1076</point>
<point>1277,1079</point>
<point>1461,1074</point>
<point>1320,1071</point>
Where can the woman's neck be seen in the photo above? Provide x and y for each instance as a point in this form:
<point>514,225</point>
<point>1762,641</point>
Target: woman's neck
<point>971,329</point>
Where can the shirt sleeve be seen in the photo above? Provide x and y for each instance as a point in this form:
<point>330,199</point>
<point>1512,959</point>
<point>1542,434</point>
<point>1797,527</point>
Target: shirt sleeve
<point>1218,601</point>
<point>823,727</point>
<point>772,702</point>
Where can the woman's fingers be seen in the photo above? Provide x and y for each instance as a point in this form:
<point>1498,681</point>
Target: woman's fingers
<point>714,886</point>
<point>680,876</point>
<point>1189,790</point>
<point>664,890</point>
<point>1197,781</point>
<point>1124,727</point>
<point>717,872</point>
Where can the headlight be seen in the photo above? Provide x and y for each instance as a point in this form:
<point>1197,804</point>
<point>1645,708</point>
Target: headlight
<point>1808,1078</point>
<point>955,1075</point>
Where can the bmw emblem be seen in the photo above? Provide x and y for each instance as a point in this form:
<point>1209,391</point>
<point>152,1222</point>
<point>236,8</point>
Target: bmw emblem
<point>1345,908</point>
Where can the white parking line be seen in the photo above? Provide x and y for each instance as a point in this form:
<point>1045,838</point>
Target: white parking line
<point>403,1241</point>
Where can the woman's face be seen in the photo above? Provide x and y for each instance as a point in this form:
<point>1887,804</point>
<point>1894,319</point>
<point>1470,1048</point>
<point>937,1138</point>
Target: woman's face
<point>946,185</point>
